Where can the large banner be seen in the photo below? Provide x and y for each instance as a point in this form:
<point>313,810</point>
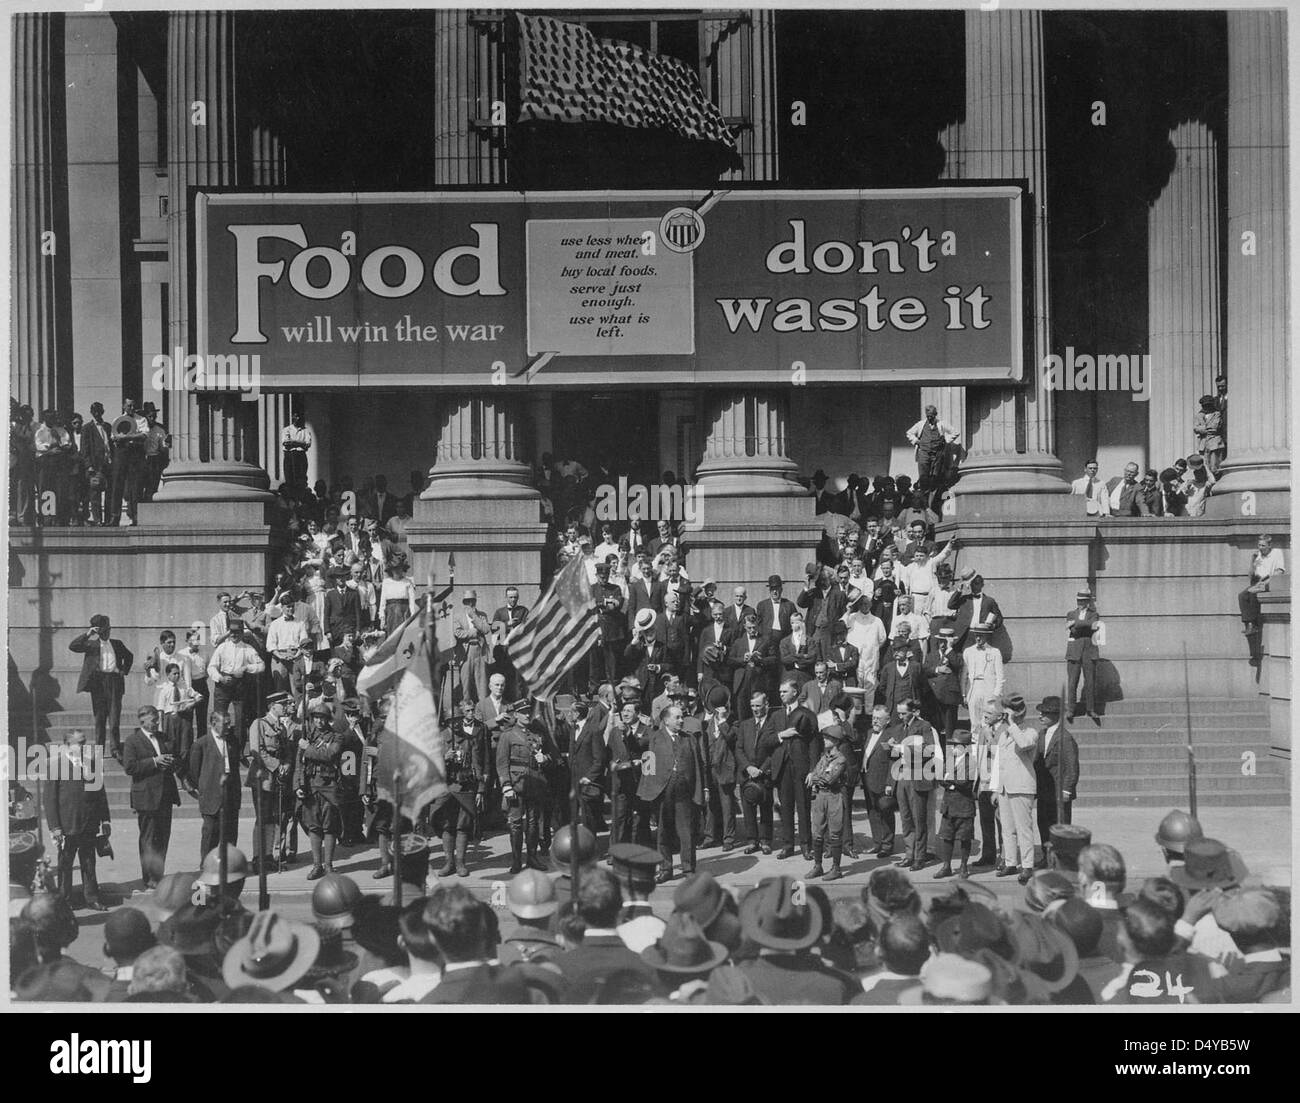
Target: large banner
<point>464,289</point>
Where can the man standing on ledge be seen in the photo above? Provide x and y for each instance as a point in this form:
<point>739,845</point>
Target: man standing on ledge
<point>931,438</point>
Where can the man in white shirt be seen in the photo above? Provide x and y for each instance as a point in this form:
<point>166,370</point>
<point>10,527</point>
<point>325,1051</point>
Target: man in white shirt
<point>930,436</point>
<point>287,640</point>
<point>1092,490</point>
<point>919,579</point>
<point>866,632</point>
<point>232,674</point>
<point>296,441</point>
<point>1264,564</point>
<point>918,625</point>
<point>984,677</point>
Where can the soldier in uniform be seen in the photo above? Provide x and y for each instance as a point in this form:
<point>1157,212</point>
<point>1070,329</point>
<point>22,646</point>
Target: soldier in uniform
<point>270,764</point>
<point>825,781</point>
<point>523,752</point>
<point>316,779</point>
<point>379,825</point>
<point>351,764</point>
<point>452,815</point>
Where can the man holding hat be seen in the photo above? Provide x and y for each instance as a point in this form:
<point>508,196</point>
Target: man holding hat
<point>786,970</point>
<point>270,765</point>
<point>628,739</point>
<point>673,782</point>
<point>916,746</point>
<point>646,655</point>
<point>1056,764</point>
<point>1014,784</point>
<point>1081,626</point>
<point>315,782</point>
<point>473,633</point>
<point>635,867</point>
<point>105,664</point>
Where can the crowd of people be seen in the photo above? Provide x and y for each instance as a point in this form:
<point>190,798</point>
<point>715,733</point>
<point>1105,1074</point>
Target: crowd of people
<point>65,471</point>
<point>1204,932</point>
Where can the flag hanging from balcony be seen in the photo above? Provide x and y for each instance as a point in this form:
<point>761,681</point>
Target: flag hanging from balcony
<point>569,75</point>
<point>557,631</point>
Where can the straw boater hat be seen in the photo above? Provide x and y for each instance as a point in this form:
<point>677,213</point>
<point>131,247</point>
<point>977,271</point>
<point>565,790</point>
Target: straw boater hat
<point>645,620</point>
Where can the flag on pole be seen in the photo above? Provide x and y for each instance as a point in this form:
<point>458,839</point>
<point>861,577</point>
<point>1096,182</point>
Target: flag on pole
<point>557,631</point>
<point>568,75</point>
<point>411,740</point>
<point>386,665</point>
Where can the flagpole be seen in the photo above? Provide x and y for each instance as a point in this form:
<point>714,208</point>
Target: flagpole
<point>1191,751</point>
<point>397,834</point>
<point>573,820</point>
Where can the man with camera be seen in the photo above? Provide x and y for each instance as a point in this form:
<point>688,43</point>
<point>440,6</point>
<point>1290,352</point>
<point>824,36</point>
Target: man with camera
<point>129,433</point>
<point>104,668</point>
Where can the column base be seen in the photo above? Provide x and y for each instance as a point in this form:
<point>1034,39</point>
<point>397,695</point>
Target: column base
<point>211,495</point>
<point>1030,485</point>
<point>1266,475</point>
<point>474,482</point>
<point>750,476</point>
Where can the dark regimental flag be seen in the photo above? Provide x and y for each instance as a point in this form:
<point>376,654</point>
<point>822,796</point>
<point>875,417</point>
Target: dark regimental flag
<point>557,632</point>
<point>568,75</point>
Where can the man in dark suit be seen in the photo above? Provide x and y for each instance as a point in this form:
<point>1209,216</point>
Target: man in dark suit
<point>673,783</point>
<point>214,771</point>
<point>104,668</point>
<point>504,620</point>
<point>711,647</point>
<point>798,749</point>
<point>797,652</point>
<point>76,816</point>
<point>841,656</point>
<point>608,651</point>
<point>382,505</point>
<point>1122,492</point>
<point>675,633</point>
<point>720,756</point>
<point>737,611</point>
<point>342,609</point>
<point>879,782</point>
<point>152,770</point>
<point>602,952</point>
<point>816,696</point>
<point>753,660</point>
<point>646,592</point>
<point>464,931</point>
<point>97,452</point>
<point>587,764</point>
<point>973,606</point>
<point>774,611</point>
<point>916,745</point>
<point>628,740</point>
<point>664,538</point>
<point>1081,656</point>
<point>756,743</point>
<point>901,680</point>
<point>1056,765</point>
<point>646,654</point>
<point>825,603</point>
<point>942,670</point>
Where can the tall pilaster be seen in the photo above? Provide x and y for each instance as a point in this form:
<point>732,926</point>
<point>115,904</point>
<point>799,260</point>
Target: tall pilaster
<point>1183,290</point>
<point>40,343</point>
<point>214,437</point>
<point>742,77</point>
<point>469,49</point>
<point>1258,326</point>
<point>1012,446</point>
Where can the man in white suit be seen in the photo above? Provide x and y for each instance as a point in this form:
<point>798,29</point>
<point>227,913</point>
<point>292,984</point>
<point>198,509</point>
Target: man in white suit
<point>984,678</point>
<point>1093,490</point>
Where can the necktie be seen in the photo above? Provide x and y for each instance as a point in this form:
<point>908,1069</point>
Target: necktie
<point>1091,484</point>
<point>176,693</point>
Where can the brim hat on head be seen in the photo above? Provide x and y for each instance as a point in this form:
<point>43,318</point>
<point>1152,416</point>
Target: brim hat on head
<point>978,927</point>
<point>700,896</point>
<point>1045,886</point>
<point>1207,863</point>
<point>1046,956</point>
<point>645,620</point>
<point>683,948</point>
<point>770,918</point>
<point>1050,706</point>
<point>191,931</point>
<point>717,697</point>
<point>275,954</point>
<point>980,630</point>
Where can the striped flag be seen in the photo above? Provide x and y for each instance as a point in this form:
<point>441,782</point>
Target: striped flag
<point>557,631</point>
<point>569,75</point>
<point>385,666</point>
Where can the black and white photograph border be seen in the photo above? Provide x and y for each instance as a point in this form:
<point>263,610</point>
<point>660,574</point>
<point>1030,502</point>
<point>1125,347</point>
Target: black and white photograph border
<point>722,508</point>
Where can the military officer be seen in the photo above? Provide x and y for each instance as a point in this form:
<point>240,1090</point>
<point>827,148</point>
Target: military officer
<point>452,814</point>
<point>316,781</point>
<point>351,763</point>
<point>270,763</point>
<point>523,753</point>
<point>1081,655</point>
<point>824,782</point>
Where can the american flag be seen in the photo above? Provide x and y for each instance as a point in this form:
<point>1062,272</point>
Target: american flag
<point>557,632</point>
<point>569,75</point>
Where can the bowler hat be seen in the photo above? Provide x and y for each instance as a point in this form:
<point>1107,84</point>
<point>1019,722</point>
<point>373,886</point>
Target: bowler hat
<point>700,896</point>
<point>683,948</point>
<point>774,580</point>
<point>717,697</point>
<point>1050,706</point>
<point>770,917</point>
<point>1207,863</point>
<point>274,954</point>
<point>1016,705</point>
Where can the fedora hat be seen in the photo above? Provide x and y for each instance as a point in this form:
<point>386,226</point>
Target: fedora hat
<point>770,918</point>
<point>701,897</point>
<point>1048,959</point>
<point>755,792</point>
<point>275,954</point>
<point>191,931</point>
<point>1207,863</point>
<point>683,948</point>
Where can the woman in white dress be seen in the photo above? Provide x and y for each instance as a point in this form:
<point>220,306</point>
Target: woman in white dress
<point>396,596</point>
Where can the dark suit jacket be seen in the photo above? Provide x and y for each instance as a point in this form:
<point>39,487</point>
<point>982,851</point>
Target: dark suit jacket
<point>800,752</point>
<point>83,645</point>
<point>1061,761</point>
<point>799,978</point>
<point>776,620</point>
<point>916,768</point>
<point>587,756</point>
<point>342,613</point>
<point>676,635</point>
<point>879,765</point>
<point>1128,506</point>
<point>72,808</point>
<point>721,752</point>
<point>586,965</point>
<point>736,620</point>
<point>843,660</point>
<point>151,788</point>
<point>383,512</point>
<point>624,746</point>
<point>898,687</point>
<point>964,605</point>
<point>472,986</point>
<point>206,768</point>
<point>745,679</point>
<point>797,664</point>
<point>654,782</point>
<point>641,658</point>
<point>817,701</point>
<point>95,450</point>
<point>756,744</point>
<point>945,687</point>
<point>638,599</point>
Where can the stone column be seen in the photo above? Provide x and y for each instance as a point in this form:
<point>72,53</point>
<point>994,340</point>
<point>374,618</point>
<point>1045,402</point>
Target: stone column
<point>950,400</point>
<point>480,502</point>
<point>1183,291</point>
<point>742,79</point>
<point>214,437</point>
<point>1011,447</point>
<point>41,367</point>
<point>754,517</point>
<point>469,48</point>
<point>1259,435</point>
